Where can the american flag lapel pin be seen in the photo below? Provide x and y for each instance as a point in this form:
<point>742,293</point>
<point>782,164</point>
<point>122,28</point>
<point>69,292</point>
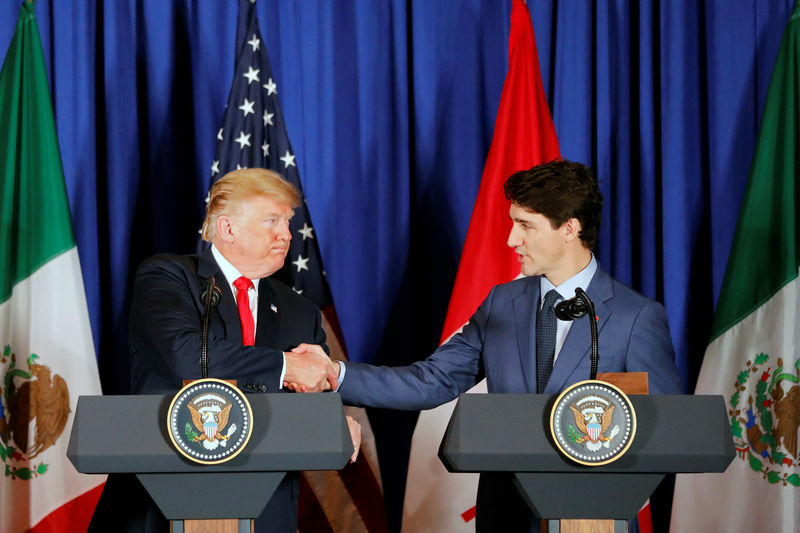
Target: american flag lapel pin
<point>274,309</point>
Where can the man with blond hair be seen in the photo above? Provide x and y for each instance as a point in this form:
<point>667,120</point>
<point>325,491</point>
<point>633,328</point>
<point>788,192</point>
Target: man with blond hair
<point>262,334</point>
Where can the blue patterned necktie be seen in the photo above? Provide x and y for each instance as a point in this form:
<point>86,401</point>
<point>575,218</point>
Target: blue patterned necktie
<point>546,339</point>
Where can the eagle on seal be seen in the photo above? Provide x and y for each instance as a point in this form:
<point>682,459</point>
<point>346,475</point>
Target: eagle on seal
<point>210,417</point>
<point>593,422</point>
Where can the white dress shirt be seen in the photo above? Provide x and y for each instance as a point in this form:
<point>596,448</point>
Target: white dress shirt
<point>566,290</point>
<point>232,274</point>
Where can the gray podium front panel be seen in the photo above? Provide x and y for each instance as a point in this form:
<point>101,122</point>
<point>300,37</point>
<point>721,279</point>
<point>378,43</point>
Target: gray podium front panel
<point>119,434</point>
<point>129,434</point>
<point>510,433</point>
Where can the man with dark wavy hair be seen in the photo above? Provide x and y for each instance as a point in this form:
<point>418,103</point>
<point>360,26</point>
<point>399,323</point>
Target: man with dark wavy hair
<point>555,222</point>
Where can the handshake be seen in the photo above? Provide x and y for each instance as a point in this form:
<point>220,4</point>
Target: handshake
<point>309,369</point>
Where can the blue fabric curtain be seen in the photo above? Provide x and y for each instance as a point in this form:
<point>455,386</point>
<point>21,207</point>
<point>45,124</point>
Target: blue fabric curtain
<point>390,107</point>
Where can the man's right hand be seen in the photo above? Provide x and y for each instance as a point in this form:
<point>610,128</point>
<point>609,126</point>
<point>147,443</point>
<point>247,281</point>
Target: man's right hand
<point>309,369</point>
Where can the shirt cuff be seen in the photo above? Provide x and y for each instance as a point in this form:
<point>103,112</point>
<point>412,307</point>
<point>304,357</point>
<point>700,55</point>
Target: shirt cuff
<point>283,372</point>
<point>342,369</point>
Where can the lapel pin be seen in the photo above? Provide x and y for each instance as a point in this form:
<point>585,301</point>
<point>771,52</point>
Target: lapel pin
<point>274,309</point>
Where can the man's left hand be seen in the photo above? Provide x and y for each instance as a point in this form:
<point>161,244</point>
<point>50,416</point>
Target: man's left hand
<point>355,436</point>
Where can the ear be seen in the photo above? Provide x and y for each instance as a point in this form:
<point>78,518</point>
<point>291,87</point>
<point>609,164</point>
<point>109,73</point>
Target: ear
<point>225,230</point>
<point>571,230</point>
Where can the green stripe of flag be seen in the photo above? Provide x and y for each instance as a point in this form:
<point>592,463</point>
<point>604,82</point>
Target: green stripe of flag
<point>766,251</point>
<point>34,214</point>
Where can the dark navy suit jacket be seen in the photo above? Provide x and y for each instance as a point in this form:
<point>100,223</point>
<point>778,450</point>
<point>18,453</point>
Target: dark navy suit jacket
<point>165,337</point>
<point>499,343</point>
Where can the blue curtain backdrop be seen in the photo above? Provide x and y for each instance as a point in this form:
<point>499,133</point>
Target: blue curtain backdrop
<point>390,107</point>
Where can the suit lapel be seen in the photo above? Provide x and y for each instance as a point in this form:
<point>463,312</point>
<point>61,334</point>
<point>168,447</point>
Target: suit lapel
<point>226,312</point>
<point>526,307</point>
<point>577,345</point>
<point>267,327</point>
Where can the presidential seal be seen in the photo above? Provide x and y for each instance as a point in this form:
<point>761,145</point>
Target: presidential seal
<point>593,423</point>
<point>765,417</point>
<point>209,421</point>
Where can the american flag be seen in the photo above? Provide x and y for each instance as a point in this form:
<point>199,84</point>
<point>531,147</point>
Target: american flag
<point>253,135</point>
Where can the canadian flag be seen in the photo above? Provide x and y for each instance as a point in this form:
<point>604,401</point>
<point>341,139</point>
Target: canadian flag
<point>524,136</point>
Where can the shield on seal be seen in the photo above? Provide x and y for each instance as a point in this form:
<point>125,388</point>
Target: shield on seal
<point>210,429</point>
<point>594,431</point>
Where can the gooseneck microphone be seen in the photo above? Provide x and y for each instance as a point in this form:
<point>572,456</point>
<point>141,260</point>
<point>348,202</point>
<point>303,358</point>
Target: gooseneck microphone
<point>575,308</point>
<point>210,297</point>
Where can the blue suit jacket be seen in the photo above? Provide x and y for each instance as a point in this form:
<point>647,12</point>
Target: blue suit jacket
<point>165,325</point>
<point>499,342</point>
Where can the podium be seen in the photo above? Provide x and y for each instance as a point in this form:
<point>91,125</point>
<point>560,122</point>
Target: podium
<point>128,434</point>
<point>510,433</point>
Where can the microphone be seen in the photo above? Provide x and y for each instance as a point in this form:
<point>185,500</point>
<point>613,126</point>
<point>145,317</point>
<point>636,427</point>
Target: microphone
<point>216,294</point>
<point>571,309</point>
<point>575,308</point>
<point>210,297</point>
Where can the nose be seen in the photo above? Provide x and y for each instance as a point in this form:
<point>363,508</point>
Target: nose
<point>284,233</point>
<point>514,239</point>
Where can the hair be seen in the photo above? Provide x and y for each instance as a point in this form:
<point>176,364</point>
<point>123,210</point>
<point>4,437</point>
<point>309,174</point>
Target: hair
<point>560,190</point>
<point>228,193</point>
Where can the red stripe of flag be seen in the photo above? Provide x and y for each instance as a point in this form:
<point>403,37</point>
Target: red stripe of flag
<point>645,518</point>
<point>312,517</point>
<point>366,494</point>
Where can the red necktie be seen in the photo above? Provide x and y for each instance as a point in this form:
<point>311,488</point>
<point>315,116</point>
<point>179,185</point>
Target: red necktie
<point>245,314</point>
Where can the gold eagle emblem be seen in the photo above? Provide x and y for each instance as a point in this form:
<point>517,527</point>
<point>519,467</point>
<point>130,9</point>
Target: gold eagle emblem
<point>210,414</point>
<point>593,415</point>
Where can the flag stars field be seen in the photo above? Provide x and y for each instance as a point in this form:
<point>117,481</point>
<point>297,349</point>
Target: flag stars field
<point>306,231</point>
<point>252,75</point>
<point>301,263</point>
<point>288,160</point>
<point>254,42</point>
<point>247,107</point>
<point>243,140</point>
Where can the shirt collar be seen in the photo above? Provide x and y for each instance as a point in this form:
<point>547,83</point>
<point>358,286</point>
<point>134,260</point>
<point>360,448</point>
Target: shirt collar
<point>567,289</point>
<point>228,270</point>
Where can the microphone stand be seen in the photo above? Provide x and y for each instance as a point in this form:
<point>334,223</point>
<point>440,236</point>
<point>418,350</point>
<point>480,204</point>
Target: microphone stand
<point>575,308</point>
<point>210,298</point>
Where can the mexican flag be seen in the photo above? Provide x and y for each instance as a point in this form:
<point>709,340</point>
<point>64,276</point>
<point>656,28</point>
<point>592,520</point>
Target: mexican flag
<point>47,355</point>
<point>753,359</point>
